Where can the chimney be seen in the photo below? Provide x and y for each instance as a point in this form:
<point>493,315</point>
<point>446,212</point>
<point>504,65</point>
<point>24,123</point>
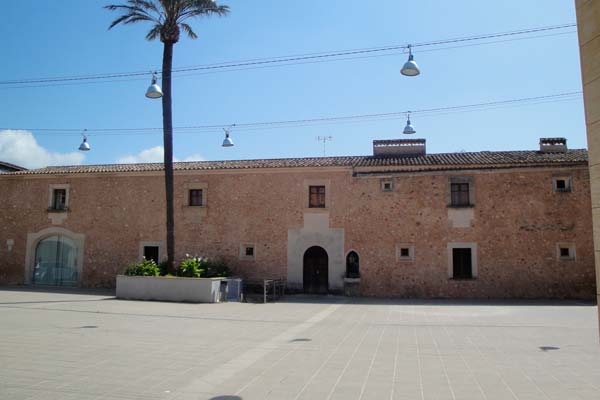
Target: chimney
<point>399,147</point>
<point>553,145</point>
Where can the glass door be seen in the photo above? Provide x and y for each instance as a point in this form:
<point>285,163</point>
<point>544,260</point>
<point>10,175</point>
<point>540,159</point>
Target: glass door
<point>55,262</point>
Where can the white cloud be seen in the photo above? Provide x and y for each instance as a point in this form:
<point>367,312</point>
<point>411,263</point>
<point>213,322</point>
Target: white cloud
<point>153,155</point>
<point>21,148</point>
<point>194,157</point>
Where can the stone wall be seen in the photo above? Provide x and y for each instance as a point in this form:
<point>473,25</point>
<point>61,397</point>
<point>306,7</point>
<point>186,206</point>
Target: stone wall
<point>588,27</point>
<point>515,224</point>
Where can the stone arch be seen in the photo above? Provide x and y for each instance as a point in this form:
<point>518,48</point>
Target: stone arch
<point>34,239</point>
<point>316,270</point>
<point>352,264</point>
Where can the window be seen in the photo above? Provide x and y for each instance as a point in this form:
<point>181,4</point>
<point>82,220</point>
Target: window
<point>151,253</point>
<point>405,252</point>
<point>316,197</point>
<point>387,185</point>
<point>59,199</point>
<point>459,194</point>
<point>566,251</point>
<point>247,252</point>
<point>195,198</point>
<point>562,183</point>
<point>352,265</point>
<point>462,267</point>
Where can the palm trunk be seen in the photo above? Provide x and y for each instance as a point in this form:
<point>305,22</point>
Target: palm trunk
<point>168,155</point>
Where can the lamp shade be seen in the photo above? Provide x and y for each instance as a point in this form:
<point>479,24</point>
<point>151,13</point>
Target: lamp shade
<point>410,67</point>
<point>408,129</point>
<point>227,142</point>
<point>84,146</point>
<point>154,92</point>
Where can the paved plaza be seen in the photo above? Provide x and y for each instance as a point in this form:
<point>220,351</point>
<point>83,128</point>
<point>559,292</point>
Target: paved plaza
<point>83,346</point>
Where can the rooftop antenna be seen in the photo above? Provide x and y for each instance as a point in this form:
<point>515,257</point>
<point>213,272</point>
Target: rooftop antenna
<point>324,139</point>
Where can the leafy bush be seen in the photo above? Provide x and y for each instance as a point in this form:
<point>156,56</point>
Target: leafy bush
<point>163,267</point>
<point>216,269</point>
<point>143,268</point>
<point>201,267</point>
<point>191,267</point>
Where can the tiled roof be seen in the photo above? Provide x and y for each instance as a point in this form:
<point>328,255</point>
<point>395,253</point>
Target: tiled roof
<point>474,159</point>
<point>8,167</point>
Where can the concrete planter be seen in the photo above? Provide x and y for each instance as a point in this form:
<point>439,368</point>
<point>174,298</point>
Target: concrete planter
<point>193,290</point>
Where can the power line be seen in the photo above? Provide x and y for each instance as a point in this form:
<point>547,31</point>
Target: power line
<point>287,59</point>
<point>356,118</point>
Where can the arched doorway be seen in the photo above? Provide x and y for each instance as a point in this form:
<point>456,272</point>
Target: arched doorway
<point>316,271</point>
<point>55,262</point>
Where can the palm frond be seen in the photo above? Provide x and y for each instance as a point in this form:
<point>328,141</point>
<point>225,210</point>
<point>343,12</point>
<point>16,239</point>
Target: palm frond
<point>154,33</point>
<point>188,29</point>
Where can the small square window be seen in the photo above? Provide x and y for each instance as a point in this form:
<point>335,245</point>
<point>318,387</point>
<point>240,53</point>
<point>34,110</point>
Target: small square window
<point>316,197</point>
<point>566,251</point>
<point>562,184</point>
<point>405,252</point>
<point>387,185</point>
<point>247,252</point>
<point>195,199</point>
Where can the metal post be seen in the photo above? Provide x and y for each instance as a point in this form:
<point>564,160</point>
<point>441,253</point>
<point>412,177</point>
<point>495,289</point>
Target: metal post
<point>265,291</point>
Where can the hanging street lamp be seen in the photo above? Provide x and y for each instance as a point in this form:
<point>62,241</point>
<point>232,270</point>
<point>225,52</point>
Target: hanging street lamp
<point>410,67</point>
<point>154,91</point>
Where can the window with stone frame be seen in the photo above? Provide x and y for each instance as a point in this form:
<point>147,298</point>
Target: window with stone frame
<point>316,196</point>
<point>195,198</point>
<point>561,183</point>
<point>459,194</point>
<point>59,199</point>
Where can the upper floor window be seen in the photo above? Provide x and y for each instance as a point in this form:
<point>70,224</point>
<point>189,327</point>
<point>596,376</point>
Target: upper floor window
<point>459,194</point>
<point>316,197</point>
<point>561,183</point>
<point>59,199</point>
<point>195,197</point>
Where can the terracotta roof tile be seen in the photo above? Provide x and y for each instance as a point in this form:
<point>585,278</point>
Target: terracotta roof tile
<point>482,158</point>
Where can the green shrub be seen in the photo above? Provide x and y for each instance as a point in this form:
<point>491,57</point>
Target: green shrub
<point>201,267</point>
<point>143,268</point>
<point>191,267</point>
<point>163,267</point>
<point>216,269</point>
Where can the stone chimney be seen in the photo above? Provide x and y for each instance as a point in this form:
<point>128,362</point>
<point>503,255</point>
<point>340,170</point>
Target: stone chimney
<point>399,147</point>
<point>553,145</point>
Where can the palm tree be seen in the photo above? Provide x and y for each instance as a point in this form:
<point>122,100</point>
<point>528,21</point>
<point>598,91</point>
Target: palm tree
<point>167,18</point>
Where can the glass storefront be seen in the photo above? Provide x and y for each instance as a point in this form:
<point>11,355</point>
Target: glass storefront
<point>55,262</point>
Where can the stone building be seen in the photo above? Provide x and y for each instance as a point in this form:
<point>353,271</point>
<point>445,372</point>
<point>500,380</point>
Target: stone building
<point>8,167</point>
<point>588,29</point>
<point>510,224</point>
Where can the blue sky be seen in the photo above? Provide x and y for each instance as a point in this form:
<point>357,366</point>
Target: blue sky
<point>70,37</point>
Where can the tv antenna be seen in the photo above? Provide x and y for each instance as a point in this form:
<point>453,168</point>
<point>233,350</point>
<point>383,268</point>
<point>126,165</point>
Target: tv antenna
<point>324,139</point>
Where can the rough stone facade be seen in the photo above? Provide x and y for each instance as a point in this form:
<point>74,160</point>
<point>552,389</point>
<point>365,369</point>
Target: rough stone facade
<point>515,226</point>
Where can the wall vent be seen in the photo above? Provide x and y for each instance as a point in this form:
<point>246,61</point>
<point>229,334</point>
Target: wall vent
<point>553,145</point>
<point>399,147</point>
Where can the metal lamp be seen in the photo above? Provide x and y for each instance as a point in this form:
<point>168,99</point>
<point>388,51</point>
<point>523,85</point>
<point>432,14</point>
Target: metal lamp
<point>408,129</point>
<point>410,67</point>
<point>84,146</point>
<point>154,91</point>
<point>227,142</point>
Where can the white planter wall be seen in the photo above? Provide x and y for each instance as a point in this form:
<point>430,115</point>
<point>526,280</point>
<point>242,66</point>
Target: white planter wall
<point>193,290</point>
